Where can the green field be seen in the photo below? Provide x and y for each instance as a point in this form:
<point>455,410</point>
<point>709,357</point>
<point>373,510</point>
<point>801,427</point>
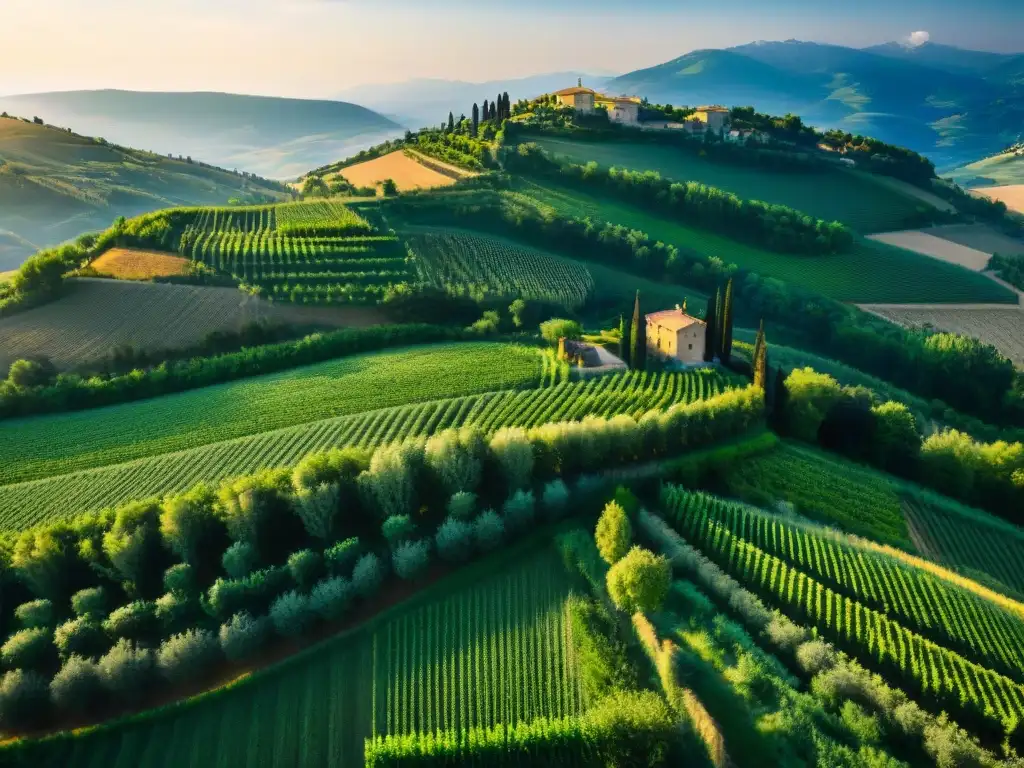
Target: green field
<point>49,445</point>
<point>871,273</point>
<point>25,504</point>
<point>485,646</point>
<point>855,199</point>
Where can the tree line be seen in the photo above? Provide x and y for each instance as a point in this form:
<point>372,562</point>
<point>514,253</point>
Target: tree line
<point>776,227</point>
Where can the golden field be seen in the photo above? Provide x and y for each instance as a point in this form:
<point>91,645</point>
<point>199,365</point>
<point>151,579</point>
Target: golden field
<point>133,264</point>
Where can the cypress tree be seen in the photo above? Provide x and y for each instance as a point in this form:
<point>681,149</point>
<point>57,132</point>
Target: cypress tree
<point>711,329</point>
<point>638,338</point>
<point>494,111</point>
<point>725,348</point>
<point>451,123</point>
<point>486,111</point>
<point>506,106</point>
<point>624,333</point>
<point>760,362</point>
<point>476,117</point>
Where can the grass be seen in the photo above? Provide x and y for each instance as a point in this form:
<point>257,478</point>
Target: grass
<point>487,644</point>
<point>133,264</point>
<point>27,504</point>
<point>871,269</point>
<point>38,447</point>
<point>832,194</point>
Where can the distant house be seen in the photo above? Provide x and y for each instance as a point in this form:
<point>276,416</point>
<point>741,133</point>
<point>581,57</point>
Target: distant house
<point>747,136</point>
<point>579,98</point>
<point>621,109</point>
<point>673,334</point>
<point>715,118</point>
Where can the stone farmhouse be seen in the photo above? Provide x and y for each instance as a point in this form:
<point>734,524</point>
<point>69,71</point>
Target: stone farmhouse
<point>625,110</point>
<point>674,335</point>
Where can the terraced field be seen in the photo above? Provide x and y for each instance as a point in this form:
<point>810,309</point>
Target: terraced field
<point>488,645</point>
<point>50,445</point>
<point>853,198</point>
<point>870,269</point>
<point>25,504</point>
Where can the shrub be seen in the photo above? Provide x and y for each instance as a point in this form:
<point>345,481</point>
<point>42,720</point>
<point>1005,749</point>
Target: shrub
<point>133,542</point>
<point>639,581</point>
<point>180,579</point>
<point>28,649</point>
<point>76,687</point>
<point>390,482</point>
<point>462,505</point>
<point>23,699</point>
<point>175,612</point>
<point>135,621</point>
<point>638,728</point>
<point>331,597</point>
<point>317,508</point>
<point>614,533</point>
<point>865,728</point>
<point>342,556</point>
<point>555,499</point>
<point>519,511</point>
<point>397,529</point>
<point>513,452</point>
<point>784,634</point>
<point>556,328</point>
<point>239,560</point>
<point>816,656</point>
<point>187,655</point>
<point>488,530</point>
<point>254,594</point>
<point>185,521</point>
<point>304,567</point>
<point>126,670</point>
<point>38,613</point>
<point>455,457</point>
<point>291,614</point>
<point>242,635</point>
<point>90,602</point>
<point>83,636</point>
<point>411,558</point>
<point>454,540</point>
<point>367,575</point>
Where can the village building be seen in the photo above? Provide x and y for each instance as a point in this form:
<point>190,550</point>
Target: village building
<point>715,118</point>
<point>674,335</point>
<point>621,109</point>
<point>579,98</point>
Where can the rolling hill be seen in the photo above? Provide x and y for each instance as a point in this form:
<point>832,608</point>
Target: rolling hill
<point>997,170</point>
<point>274,137</point>
<point>939,101</point>
<point>55,185</point>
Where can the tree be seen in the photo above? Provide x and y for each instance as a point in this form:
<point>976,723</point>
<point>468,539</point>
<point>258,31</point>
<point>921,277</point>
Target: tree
<point>639,581</point>
<point>486,111</point>
<point>614,534</point>
<point>711,329</point>
<point>811,397</point>
<point>725,349</point>
<point>476,118</point>
<point>506,106</point>
<point>389,188</point>
<point>897,443</point>
<point>624,333</point>
<point>760,359</point>
<point>24,374</point>
<point>638,337</point>
<point>558,327</point>
<point>451,123</point>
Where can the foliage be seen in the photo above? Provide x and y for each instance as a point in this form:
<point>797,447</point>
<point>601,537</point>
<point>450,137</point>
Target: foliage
<point>454,540</point>
<point>367,575</point>
<point>519,511</point>
<point>513,453</point>
<point>559,328</point>
<point>37,613</point>
<point>134,621</point>
<point>331,597</point>
<point>241,636</point>
<point>76,687</point>
<point>188,655</point>
<point>410,559</point>
<point>304,567</point>
<point>23,698</point>
<point>90,602</point>
<point>341,557</point>
<point>126,670</point>
<point>639,581</point>
<point>555,498</point>
<point>455,458</point>
<point>28,649</point>
<point>614,534</point>
<point>488,530</point>
<point>462,505</point>
<point>83,636</point>
<point>291,613</point>
<point>239,560</point>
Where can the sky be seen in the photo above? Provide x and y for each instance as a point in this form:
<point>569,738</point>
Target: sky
<point>315,48</point>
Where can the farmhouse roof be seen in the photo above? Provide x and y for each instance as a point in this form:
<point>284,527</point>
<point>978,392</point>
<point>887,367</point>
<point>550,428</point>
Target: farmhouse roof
<point>574,91</point>
<point>712,108</point>
<point>673,319</point>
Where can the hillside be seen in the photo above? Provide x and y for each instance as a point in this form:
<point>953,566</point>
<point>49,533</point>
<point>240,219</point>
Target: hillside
<point>274,137</point>
<point>910,100</point>
<point>1001,169</point>
<point>55,185</point>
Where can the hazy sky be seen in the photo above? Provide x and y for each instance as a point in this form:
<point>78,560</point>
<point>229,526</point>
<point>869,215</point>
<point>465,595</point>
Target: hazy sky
<point>313,48</point>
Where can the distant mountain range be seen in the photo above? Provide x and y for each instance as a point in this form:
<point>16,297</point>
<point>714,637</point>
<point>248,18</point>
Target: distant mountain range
<point>55,185</point>
<point>273,137</point>
<point>952,104</point>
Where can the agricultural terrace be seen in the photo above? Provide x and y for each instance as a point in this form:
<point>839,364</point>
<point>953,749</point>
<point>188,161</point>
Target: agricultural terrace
<point>402,168</point>
<point>94,317</point>
<point>29,503</point>
<point>134,264</point>
<point>856,199</point>
<point>938,248</point>
<point>480,266</point>
<point>981,237</point>
<point>489,644</point>
<point>1002,327</point>
<point>868,269</point>
<point>39,447</point>
<point>907,623</point>
<point>1011,194</point>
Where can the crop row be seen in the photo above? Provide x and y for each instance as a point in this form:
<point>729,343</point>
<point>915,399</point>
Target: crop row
<point>318,217</point>
<point>26,504</point>
<point>923,601</point>
<point>478,266</point>
<point>933,670</point>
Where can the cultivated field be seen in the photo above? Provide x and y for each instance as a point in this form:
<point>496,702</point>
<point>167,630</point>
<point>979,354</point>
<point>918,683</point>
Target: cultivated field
<point>28,503</point>
<point>981,237</point>
<point>1001,327</point>
<point>39,447</point>
<point>870,269</point>
<point>134,264</point>
<point>398,166</point>
<point>928,244</point>
<point>833,195</point>
<point>488,645</point>
<point>1011,194</point>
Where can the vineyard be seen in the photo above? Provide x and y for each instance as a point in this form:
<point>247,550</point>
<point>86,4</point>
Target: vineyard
<point>26,504</point>
<point>488,646</point>
<point>318,251</point>
<point>37,447</point>
<point>976,693</point>
<point>478,266</point>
